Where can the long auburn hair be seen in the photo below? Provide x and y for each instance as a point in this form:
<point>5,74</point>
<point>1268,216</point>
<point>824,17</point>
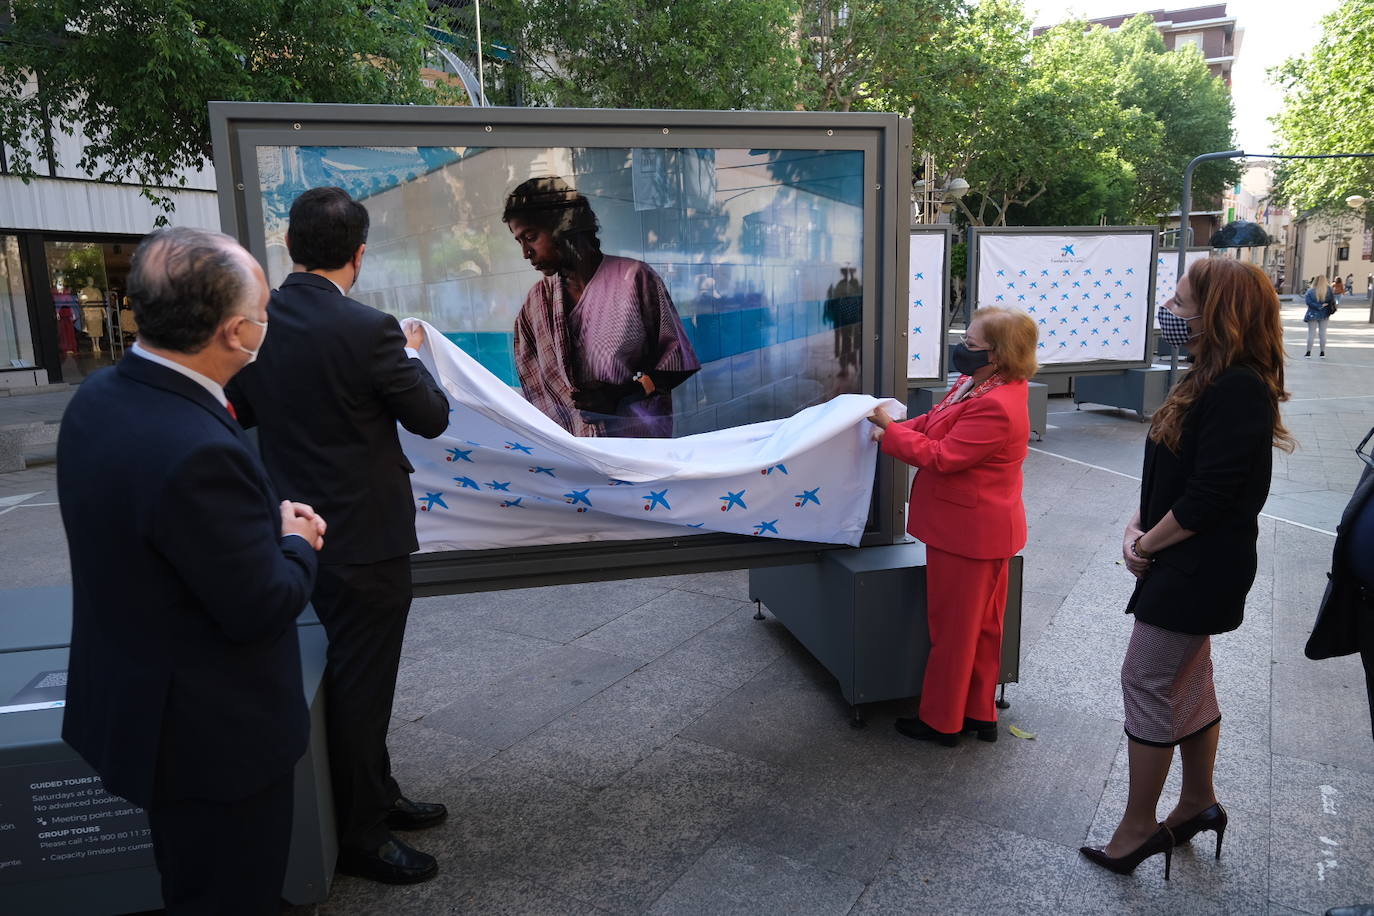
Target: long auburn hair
<point>1240,326</point>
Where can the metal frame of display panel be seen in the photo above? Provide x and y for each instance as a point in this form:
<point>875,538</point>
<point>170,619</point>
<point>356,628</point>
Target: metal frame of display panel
<point>919,381</point>
<point>977,233</point>
<point>238,128</point>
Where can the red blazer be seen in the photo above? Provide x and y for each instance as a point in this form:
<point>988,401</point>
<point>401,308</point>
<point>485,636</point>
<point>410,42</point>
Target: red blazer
<point>966,498</point>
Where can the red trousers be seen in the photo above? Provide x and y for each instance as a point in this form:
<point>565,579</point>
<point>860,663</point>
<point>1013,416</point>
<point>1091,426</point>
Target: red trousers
<point>965,601</point>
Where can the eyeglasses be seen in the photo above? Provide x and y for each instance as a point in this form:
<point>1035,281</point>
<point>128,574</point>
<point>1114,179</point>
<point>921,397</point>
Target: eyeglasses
<point>1363,449</point>
<point>964,339</point>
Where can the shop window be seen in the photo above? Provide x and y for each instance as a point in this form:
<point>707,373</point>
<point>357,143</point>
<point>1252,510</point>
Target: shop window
<point>16,339</point>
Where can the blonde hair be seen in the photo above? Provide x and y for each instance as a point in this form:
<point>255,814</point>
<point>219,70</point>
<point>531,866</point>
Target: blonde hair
<point>1011,334</point>
<point>1239,326</point>
<point>1320,286</point>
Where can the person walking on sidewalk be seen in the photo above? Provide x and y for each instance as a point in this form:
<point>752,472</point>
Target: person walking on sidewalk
<point>1191,547</point>
<point>966,508</point>
<point>1321,305</point>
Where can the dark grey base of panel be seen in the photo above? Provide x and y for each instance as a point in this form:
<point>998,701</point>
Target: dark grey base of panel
<point>108,869</point>
<point>862,614</point>
<point>1140,390</point>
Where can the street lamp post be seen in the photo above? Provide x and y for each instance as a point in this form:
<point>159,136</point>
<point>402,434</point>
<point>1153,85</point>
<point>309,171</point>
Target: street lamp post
<point>1357,202</point>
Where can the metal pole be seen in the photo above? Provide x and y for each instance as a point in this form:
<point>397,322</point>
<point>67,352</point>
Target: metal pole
<point>481,80</point>
<point>1185,205</point>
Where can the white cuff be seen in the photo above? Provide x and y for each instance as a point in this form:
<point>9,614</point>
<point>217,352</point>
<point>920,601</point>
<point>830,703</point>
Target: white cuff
<point>412,353</point>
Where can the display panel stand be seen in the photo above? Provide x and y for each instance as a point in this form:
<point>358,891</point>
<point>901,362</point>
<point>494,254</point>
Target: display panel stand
<point>1140,390</point>
<point>862,613</point>
<point>87,873</point>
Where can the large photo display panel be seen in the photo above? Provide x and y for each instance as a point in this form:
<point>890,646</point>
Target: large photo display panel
<point>927,304</point>
<point>732,276</point>
<point>1166,274</point>
<point>1090,291</point>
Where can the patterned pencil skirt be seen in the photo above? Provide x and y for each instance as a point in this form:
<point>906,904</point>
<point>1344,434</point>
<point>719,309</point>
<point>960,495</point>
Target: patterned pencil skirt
<point>1166,681</point>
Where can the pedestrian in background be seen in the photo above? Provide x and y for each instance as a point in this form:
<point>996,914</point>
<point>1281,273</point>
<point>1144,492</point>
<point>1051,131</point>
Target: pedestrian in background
<point>1321,305</point>
<point>966,508</point>
<point>1191,546</point>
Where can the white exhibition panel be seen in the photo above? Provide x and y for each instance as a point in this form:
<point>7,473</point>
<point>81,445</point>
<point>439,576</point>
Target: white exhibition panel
<point>1088,293</point>
<point>505,475</point>
<point>1166,275</point>
<point>926,283</point>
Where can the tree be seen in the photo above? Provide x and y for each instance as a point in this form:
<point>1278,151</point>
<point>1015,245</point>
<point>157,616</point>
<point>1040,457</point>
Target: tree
<point>1328,93</point>
<point>692,54</point>
<point>134,76</point>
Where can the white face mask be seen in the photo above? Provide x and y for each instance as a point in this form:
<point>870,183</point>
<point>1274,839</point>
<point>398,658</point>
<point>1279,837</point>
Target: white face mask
<point>253,354</point>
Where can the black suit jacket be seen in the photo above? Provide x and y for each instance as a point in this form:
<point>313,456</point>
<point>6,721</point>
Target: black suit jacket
<point>1347,610</point>
<point>1216,486</point>
<point>330,384</point>
<point>185,677</point>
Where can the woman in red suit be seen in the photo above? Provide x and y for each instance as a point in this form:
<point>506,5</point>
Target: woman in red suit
<point>966,508</point>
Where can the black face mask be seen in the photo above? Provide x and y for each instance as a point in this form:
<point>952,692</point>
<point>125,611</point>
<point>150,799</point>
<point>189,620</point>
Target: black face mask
<point>968,361</point>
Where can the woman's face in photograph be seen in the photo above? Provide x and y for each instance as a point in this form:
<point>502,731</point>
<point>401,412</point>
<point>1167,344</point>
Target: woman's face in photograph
<point>537,246</point>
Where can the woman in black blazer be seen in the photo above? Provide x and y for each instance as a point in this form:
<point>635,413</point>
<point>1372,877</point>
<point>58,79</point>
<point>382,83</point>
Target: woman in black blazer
<point>1191,546</point>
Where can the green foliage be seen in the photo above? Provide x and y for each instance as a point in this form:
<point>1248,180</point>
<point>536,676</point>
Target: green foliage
<point>691,54</point>
<point>1328,96</point>
<point>135,75</point>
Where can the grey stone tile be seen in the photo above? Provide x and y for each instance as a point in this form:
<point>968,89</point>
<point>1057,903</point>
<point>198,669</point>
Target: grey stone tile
<point>737,878</point>
<point>564,612</point>
<point>1048,787</point>
<point>34,546</point>
<point>1322,836</point>
<point>1304,695</point>
<point>733,583</point>
<point>595,743</point>
<point>659,626</point>
<point>1241,777</point>
<point>950,865</point>
<point>424,760</point>
<point>459,663</point>
<point>844,824</point>
<point>1037,610</point>
<point>639,835</point>
<point>506,709</point>
<point>729,652</point>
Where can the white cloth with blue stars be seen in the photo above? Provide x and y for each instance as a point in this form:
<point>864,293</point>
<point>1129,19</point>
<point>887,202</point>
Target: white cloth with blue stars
<point>505,475</point>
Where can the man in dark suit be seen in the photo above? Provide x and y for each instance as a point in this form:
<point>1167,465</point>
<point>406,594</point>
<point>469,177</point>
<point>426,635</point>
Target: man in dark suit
<point>184,686</point>
<point>326,395</point>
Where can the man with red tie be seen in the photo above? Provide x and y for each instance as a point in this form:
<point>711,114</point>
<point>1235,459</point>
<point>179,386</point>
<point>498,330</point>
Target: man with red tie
<point>966,508</point>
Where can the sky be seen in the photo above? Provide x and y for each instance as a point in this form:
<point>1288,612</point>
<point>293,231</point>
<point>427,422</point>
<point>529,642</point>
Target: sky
<point>1274,31</point>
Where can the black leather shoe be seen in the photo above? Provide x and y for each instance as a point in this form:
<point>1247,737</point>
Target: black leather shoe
<point>915,728</point>
<point>410,815</point>
<point>391,863</point>
<point>986,731</point>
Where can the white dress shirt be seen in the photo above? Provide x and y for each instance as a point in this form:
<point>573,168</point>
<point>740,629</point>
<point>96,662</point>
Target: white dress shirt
<point>216,390</point>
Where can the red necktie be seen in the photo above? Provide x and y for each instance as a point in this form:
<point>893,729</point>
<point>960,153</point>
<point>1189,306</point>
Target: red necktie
<point>229,406</point>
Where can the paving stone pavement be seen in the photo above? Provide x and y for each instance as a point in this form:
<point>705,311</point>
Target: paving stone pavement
<point>648,747</point>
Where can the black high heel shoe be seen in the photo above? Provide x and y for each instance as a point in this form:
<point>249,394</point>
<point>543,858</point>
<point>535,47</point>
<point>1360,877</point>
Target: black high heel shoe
<point>1213,818</point>
<point>915,728</point>
<point>1162,840</point>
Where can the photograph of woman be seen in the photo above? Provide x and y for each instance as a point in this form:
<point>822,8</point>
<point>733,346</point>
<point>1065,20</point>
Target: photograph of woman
<point>1192,547</point>
<point>599,345</point>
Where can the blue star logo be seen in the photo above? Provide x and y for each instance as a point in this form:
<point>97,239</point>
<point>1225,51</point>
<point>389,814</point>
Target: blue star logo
<point>578,497</point>
<point>539,470</point>
<point>920,302</point>
<point>1021,274</point>
<point>517,447</point>
<point>1131,270</point>
<point>1001,273</point>
<point>807,496</point>
<point>920,276</point>
<point>458,454</point>
<point>1109,270</point>
<point>763,527</point>
<point>498,485</point>
<point>1000,297</point>
<point>1066,250</point>
<point>1087,272</point>
<point>466,483</point>
<point>774,467</point>
<point>512,503</point>
<point>620,483</point>
<point>1044,273</point>
<point>698,525</point>
<point>431,500</point>
<point>731,500</point>
<point>657,498</point>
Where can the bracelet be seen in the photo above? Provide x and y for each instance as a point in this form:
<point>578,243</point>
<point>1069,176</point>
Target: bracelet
<point>1135,551</point>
